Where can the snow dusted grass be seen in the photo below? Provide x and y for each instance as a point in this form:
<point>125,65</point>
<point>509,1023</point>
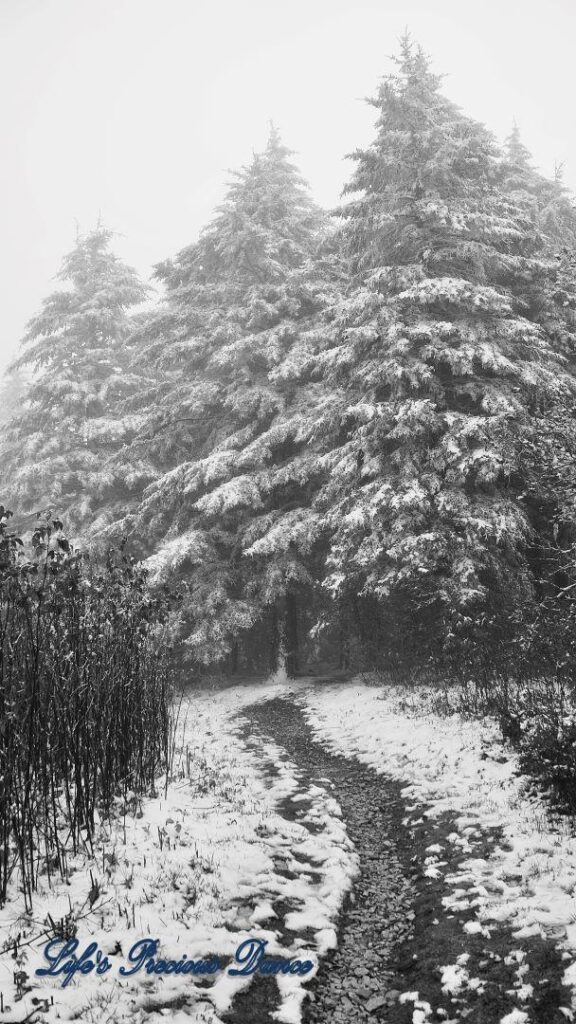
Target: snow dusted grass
<point>199,867</point>
<point>450,763</point>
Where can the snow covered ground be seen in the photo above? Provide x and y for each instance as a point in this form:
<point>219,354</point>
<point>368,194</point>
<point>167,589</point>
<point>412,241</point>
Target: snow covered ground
<point>458,765</point>
<point>198,868</point>
<point>201,866</point>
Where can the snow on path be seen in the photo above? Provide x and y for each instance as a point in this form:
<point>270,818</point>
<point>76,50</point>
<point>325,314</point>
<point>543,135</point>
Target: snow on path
<point>458,765</point>
<point>199,869</point>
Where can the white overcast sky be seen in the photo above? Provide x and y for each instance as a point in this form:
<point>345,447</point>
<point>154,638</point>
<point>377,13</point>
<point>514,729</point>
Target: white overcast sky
<point>136,109</point>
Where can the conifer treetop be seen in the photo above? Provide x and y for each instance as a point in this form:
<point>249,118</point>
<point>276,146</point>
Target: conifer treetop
<point>261,227</point>
<point>88,315</point>
<point>516,152</point>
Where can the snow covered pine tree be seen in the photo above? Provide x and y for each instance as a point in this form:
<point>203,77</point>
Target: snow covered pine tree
<point>54,452</point>
<point>449,361</point>
<point>222,422</point>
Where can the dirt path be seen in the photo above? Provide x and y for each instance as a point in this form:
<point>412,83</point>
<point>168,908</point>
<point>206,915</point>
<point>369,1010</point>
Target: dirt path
<point>394,932</point>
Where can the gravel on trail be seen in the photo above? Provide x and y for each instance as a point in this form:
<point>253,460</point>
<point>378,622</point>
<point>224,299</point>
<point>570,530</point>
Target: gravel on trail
<point>394,933</point>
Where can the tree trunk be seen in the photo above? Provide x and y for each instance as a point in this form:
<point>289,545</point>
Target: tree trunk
<point>234,658</point>
<point>344,648</point>
<point>291,636</point>
<point>274,650</point>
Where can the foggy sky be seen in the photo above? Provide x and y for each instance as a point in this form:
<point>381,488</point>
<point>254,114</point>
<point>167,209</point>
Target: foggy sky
<point>134,110</point>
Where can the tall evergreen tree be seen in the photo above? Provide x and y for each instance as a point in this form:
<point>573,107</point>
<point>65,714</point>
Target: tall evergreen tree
<point>451,356</point>
<point>549,214</point>
<point>548,458</point>
<point>54,452</point>
<point>222,423</point>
